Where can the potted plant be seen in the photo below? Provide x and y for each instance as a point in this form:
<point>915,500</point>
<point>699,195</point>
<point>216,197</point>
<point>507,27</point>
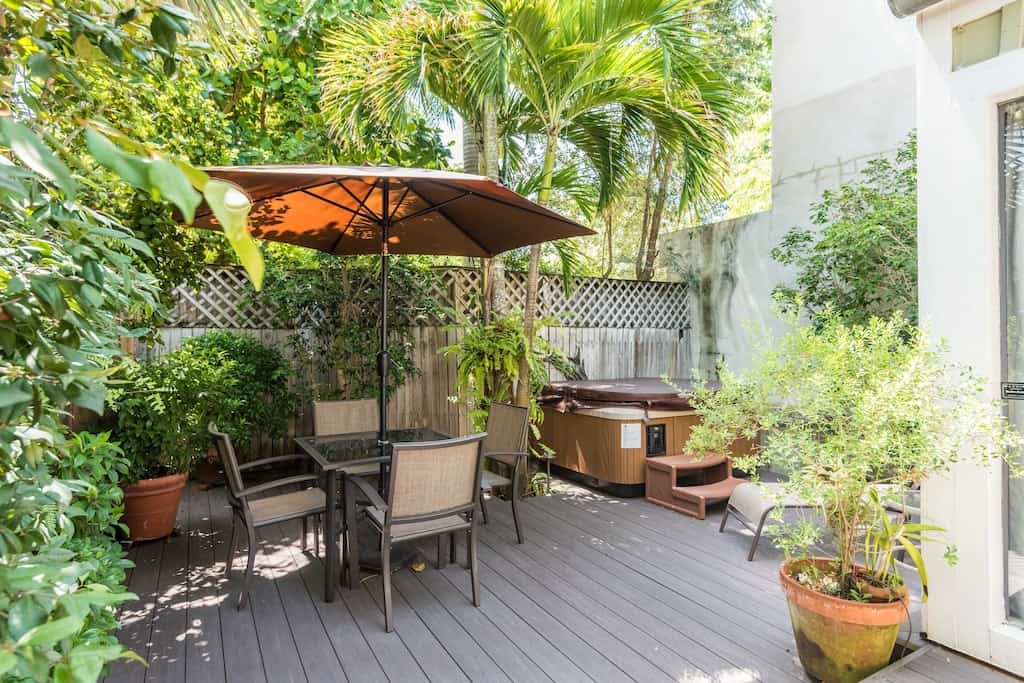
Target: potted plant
<point>161,409</point>
<point>853,416</point>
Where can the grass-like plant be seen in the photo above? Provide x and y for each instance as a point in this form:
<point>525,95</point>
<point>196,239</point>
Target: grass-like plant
<point>853,416</point>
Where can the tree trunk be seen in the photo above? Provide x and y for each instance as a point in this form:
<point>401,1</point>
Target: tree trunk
<point>609,263</point>
<point>497,301</point>
<point>649,256</point>
<point>480,155</point>
<point>645,222</point>
<point>533,277</point>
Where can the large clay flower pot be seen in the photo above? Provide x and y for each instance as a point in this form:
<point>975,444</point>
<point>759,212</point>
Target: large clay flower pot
<point>840,641</point>
<point>151,506</point>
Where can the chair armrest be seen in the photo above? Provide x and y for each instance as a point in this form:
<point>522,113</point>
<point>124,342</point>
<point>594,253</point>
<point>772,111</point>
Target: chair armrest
<point>277,483</point>
<point>367,490</point>
<point>270,461</point>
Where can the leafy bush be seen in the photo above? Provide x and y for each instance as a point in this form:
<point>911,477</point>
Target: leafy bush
<point>70,286</point>
<point>854,415</point>
<point>488,369</point>
<point>337,300</point>
<point>96,467</point>
<point>163,410</point>
<point>259,398</point>
<point>861,259</point>
<point>164,406</point>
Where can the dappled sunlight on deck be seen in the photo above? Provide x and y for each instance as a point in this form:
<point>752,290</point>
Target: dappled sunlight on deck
<point>603,589</point>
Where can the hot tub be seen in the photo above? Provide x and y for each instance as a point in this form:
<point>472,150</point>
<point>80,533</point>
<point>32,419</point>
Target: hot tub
<point>602,431</point>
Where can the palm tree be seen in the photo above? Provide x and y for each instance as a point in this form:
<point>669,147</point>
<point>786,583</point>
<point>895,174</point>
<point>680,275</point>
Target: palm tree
<point>600,76</point>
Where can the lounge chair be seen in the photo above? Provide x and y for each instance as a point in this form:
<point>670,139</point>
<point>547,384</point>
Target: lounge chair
<point>750,503</point>
<point>433,492</point>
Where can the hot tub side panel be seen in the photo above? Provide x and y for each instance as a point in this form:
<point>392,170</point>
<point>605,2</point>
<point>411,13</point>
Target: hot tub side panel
<point>592,447</point>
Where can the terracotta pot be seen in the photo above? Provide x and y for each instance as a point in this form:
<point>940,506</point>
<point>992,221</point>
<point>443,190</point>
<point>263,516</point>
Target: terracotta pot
<point>840,641</point>
<point>151,506</point>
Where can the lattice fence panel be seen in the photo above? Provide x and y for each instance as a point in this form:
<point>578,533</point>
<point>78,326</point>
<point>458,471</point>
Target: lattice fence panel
<point>226,299</point>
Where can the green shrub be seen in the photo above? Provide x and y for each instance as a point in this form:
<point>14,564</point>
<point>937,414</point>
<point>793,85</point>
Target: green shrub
<point>96,466</point>
<point>260,400</point>
<point>164,406</point>
<point>861,258</point>
<point>163,410</point>
<point>854,415</point>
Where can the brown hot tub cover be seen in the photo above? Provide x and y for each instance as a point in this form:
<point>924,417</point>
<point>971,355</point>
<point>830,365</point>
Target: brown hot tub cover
<point>642,392</point>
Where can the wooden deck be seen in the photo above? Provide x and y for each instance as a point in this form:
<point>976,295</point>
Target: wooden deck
<point>603,590</point>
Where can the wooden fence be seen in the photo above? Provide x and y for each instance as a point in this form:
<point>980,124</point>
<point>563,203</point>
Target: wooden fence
<point>616,328</point>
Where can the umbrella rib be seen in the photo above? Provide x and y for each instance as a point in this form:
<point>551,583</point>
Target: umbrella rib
<point>550,215</point>
<point>362,203</point>
<point>431,209</point>
<point>348,225</point>
<point>438,209</point>
<point>338,205</point>
<point>399,204</point>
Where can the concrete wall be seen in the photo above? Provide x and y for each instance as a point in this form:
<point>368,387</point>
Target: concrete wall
<point>843,92</point>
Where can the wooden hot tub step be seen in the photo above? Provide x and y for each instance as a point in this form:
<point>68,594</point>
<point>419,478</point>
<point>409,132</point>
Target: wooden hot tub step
<point>692,500</point>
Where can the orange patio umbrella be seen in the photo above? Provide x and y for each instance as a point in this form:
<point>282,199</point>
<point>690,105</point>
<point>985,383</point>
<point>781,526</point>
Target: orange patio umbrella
<point>388,210</point>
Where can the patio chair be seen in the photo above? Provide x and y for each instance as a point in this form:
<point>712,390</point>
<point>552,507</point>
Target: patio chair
<point>750,504</point>
<point>255,511</point>
<point>433,492</point>
<point>347,417</point>
<point>507,427</point>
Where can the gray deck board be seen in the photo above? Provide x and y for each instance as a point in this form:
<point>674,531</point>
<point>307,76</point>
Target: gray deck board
<point>204,651</point>
<point>316,652</point>
<point>237,627</point>
<point>167,646</point>
<point>137,617</point>
<point>603,590</point>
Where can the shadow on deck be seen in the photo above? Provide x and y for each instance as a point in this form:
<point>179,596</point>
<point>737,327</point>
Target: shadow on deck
<point>604,589</point>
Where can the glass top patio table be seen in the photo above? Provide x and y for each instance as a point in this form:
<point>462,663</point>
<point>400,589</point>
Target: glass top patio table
<point>335,451</point>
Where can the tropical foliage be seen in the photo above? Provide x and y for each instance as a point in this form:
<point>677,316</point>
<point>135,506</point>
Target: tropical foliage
<point>860,260</point>
<point>336,302</point>
<point>163,406</point>
<point>596,77</point>
<point>854,415</point>
<point>488,370</point>
<point>71,285</point>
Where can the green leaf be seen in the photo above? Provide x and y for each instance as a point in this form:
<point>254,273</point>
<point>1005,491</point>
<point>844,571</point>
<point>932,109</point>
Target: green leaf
<point>87,661</point>
<point>7,661</point>
<point>49,295</point>
<point>51,632</point>
<point>32,152</point>
<point>231,208</point>
<point>174,186</point>
<point>131,168</point>
<point>25,614</point>
<point>13,394</point>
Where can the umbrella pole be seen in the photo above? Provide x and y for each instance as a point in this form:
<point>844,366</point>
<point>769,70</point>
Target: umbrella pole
<point>383,360</point>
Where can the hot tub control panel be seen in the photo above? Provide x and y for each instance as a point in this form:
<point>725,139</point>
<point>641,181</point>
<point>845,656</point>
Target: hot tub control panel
<point>655,440</point>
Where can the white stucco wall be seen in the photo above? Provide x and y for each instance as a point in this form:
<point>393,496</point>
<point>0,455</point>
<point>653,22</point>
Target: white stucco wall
<point>843,92</point>
<point>959,285</point>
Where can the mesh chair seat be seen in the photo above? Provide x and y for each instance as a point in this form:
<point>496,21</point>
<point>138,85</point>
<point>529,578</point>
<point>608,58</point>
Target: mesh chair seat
<point>490,480</point>
<point>287,506</point>
<point>430,527</point>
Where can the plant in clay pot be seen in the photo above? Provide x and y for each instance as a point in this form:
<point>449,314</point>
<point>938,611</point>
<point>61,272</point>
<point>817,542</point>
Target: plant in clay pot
<point>853,416</point>
<point>162,408</point>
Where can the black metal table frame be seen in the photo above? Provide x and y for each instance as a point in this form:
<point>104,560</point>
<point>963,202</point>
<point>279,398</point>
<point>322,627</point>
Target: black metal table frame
<point>330,469</point>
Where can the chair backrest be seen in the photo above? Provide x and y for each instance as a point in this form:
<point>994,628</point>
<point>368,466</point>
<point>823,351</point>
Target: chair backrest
<point>229,462</point>
<point>507,427</point>
<point>345,417</point>
<point>432,479</point>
